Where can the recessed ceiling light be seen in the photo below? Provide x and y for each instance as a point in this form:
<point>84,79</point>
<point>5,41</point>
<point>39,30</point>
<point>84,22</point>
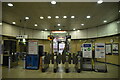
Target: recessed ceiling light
<point>100,1</point>
<point>49,17</point>
<point>78,30</point>
<point>64,17</point>
<point>82,24</point>
<point>88,17</point>
<point>53,2</point>
<point>72,16</point>
<point>0,24</point>
<point>41,17</point>
<point>35,25</point>
<point>27,18</point>
<point>13,22</point>
<point>105,21</point>
<point>119,10</point>
<point>74,29</point>
<point>59,29</point>
<point>58,24</point>
<point>10,4</point>
<point>46,29</point>
<point>57,17</point>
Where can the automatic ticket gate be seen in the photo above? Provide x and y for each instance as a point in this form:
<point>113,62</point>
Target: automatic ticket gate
<point>67,64</point>
<point>45,62</point>
<point>56,61</point>
<point>77,60</point>
<point>67,60</point>
<point>55,64</point>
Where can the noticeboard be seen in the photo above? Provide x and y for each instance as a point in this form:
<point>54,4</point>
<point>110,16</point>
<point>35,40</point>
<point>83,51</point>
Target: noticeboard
<point>32,47</point>
<point>87,50</point>
<point>99,50</point>
<point>108,49</point>
<point>115,48</point>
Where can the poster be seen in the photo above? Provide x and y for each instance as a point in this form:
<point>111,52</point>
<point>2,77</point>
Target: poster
<point>115,48</point>
<point>99,50</point>
<point>87,50</point>
<point>33,47</point>
<point>108,49</point>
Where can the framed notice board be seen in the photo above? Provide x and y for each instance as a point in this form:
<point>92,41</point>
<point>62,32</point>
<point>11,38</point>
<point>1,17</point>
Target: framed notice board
<point>99,50</point>
<point>115,48</point>
<point>108,49</point>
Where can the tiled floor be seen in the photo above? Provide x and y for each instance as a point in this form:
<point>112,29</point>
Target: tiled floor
<point>19,72</point>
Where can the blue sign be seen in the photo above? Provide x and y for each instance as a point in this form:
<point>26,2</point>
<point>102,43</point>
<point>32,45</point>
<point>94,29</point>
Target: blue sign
<point>87,45</point>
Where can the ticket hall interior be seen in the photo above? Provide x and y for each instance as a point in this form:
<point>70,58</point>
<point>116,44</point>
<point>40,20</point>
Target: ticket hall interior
<point>59,40</point>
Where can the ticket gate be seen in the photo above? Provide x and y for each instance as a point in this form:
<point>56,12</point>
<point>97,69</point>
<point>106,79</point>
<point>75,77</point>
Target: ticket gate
<point>10,59</point>
<point>57,60</point>
<point>77,60</point>
<point>55,64</point>
<point>67,64</point>
<point>45,62</point>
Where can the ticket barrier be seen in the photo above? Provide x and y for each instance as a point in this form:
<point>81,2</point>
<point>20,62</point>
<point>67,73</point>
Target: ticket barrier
<point>55,64</point>
<point>10,59</point>
<point>45,62</point>
<point>57,60</point>
<point>77,60</point>
<point>67,62</point>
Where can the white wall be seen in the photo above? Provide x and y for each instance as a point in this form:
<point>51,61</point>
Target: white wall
<point>118,28</point>
<point>106,30</point>
<point>11,30</point>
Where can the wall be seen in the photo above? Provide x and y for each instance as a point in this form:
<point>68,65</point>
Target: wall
<point>102,31</point>
<point>105,30</point>
<point>114,59</point>
<point>46,45</point>
<point>11,30</point>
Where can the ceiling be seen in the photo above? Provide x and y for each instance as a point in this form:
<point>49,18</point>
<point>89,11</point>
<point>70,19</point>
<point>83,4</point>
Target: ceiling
<point>98,12</point>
